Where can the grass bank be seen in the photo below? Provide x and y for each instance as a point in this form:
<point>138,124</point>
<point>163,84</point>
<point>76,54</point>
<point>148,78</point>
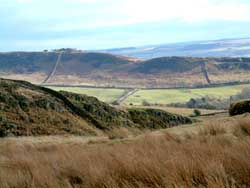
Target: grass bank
<point>217,156</point>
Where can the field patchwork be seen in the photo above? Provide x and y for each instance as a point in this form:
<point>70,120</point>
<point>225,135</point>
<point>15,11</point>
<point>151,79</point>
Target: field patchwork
<point>156,96</point>
<point>167,96</point>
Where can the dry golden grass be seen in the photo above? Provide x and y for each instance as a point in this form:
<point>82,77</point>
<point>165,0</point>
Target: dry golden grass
<point>213,130</point>
<point>118,133</point>
<point>214,157</point>
<point>243,128</point>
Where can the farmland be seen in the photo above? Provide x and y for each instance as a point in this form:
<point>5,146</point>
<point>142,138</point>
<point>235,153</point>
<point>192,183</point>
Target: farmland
<point>156,96</point>
<point>167,96</point>
<point>105,95</point>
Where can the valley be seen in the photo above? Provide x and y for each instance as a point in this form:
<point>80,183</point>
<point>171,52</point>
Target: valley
<point>124,94</point>
<point>128,121</point>
<point>155,96</point>
<point>55,136</point>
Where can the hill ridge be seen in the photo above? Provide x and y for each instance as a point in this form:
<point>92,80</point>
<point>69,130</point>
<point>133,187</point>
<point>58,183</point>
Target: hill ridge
<point>28,109</point>
<point>107,70</point>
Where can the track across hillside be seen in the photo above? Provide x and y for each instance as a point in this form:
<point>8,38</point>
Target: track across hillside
<point>205,72</point>
<point>126,95</point>
<point>51,74</point>
<point>107,70</point>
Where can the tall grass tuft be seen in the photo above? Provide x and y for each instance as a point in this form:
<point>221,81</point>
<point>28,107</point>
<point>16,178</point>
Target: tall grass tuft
<point>153,160</point>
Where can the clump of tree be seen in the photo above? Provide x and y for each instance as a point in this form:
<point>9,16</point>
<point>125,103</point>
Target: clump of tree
<point>214,103</point>
<point>244,94</point>
<point>240,107</point>
<point>204,103</point>
<point>197,112</point>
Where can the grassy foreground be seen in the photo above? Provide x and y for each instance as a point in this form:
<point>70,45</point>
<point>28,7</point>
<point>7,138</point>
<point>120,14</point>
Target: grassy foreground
<point>216,156</point>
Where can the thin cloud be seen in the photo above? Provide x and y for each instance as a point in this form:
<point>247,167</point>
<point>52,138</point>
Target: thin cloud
<point>191,11</point>
<point>111,13</point>
<point>124,22</point>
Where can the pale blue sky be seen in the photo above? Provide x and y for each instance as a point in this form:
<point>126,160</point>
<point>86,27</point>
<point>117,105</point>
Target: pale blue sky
<point>98,24</point>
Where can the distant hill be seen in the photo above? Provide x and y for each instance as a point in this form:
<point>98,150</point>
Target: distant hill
<point>71,67</point>
<point>213,48</point>
<point>170,64</point>
<point>27,109</point>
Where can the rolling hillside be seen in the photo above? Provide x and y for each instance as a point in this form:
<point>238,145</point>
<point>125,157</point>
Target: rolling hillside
<point>27,109</point>
<point>35,66</point>
<point>67,67</point>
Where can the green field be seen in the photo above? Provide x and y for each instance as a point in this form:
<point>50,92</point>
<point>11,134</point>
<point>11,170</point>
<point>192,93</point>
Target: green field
<point>105,95</point>
<point>167,96</point>
<point>159,96</point>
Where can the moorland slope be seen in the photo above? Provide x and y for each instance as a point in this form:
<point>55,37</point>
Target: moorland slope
<point>27,109</point>
<point>106,70</point>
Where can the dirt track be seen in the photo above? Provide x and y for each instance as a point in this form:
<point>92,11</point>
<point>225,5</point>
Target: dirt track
<point>51,74</point>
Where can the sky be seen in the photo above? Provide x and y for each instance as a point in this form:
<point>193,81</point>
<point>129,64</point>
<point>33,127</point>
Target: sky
<point>33,25</point>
